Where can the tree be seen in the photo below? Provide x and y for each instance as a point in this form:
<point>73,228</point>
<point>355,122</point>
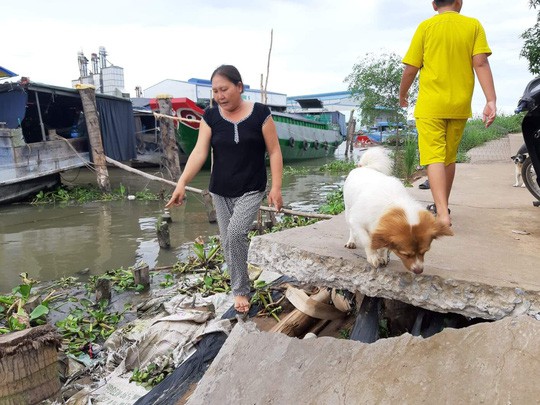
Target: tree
<point>531,46</point>
<point>375,82</point>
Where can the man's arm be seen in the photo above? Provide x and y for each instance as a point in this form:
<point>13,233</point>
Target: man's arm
<point>407,79</point>
<point>485,78</point>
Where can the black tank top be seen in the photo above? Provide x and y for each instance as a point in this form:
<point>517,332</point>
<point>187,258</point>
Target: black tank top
<point>239,152</point>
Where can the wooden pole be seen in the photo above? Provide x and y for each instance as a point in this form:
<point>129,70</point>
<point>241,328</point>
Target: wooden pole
<point>208,198</point>
<point>163,235</point>
<point>208,202</point>
<point>141,275</point>
<point>262,89</point>
<point>350,132</point>
<point>168,139</point>
<point>351,143</point>
<point>268,67</point>
<point>88,98</point>
<point>42,126</point>
<point>103,289</point>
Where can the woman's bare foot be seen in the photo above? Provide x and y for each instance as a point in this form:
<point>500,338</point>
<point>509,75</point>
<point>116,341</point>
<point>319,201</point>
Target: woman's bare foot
<point>241,304</point>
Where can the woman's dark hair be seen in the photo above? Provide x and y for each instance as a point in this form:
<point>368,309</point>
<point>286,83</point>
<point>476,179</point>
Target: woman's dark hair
<point>230,73</point>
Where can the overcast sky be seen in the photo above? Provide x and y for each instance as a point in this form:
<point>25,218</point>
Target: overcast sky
<point>316,42</point>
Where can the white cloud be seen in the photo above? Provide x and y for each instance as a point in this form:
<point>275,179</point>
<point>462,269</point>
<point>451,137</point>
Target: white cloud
<point>316,42</point>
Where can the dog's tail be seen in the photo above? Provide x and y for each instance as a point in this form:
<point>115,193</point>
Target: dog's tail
<point>377,159</point>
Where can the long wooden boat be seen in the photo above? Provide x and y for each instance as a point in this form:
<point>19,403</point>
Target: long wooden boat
<point>300,137</point>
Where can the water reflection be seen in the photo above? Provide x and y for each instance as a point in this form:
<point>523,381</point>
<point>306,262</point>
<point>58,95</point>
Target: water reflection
<point>50,242</point>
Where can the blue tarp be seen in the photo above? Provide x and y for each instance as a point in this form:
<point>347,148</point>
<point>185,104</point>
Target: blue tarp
<point>6,73</point>
<point>13,107</point>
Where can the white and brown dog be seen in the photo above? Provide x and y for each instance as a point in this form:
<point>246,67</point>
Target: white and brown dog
<point>518,160</point>
<point>382,216</point>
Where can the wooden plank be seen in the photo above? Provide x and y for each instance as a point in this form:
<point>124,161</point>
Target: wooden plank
<point>311,307</point>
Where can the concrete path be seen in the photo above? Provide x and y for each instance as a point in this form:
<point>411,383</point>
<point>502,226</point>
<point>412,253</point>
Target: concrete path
<point>489,269</point>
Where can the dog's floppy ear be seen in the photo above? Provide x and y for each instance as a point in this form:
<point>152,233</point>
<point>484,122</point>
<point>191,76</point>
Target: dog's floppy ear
<point>392,223</point>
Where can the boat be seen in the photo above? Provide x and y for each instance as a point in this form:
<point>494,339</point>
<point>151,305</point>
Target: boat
<point>43,133</point>
<point>300,136</point>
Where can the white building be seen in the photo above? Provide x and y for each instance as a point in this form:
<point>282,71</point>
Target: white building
<point>200,91</point>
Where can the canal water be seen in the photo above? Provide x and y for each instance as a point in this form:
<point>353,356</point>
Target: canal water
<point>53,241</point>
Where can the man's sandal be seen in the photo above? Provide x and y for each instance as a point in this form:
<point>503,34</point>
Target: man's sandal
<point>433,209</point>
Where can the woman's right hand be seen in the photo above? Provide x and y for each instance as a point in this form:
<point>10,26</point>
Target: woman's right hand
<point>178,196</point>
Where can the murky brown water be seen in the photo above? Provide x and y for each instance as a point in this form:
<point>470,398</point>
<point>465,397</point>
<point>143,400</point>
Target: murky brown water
<point>49,242</point>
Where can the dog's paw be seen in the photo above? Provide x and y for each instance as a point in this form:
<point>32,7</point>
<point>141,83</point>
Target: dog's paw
<point>523,185</point>
<point>374,260</point>
<point>350,245</point>
<point>383,257</point>
<point>516,185</point>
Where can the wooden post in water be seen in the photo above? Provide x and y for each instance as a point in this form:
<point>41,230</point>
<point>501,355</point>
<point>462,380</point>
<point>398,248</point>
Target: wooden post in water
<point>168,138</point>
<point>141,275</point>
<point>163,235</point>
<point>103,289</point>
<point>88,98</point>
<point>350,131</point>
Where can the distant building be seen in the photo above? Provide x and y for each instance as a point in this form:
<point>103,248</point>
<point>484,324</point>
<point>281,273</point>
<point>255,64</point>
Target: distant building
<point>200,91</point>
<point>107,79</point>
<point>335,101</point>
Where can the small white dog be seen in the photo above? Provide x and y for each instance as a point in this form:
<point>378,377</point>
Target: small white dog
<point>518,159</point>
<point>382,216</point>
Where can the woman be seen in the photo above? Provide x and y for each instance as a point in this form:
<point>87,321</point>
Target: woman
<point>240,133</point>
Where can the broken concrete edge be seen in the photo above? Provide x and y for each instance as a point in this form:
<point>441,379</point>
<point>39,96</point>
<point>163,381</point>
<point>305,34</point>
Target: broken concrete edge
<point>456,365</point>
<point>432,292</point>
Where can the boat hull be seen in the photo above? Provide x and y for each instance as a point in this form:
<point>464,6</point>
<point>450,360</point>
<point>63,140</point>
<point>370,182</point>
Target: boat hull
<point>299,138</point>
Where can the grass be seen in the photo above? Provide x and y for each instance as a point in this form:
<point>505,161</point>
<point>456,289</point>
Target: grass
<point>477,134</point>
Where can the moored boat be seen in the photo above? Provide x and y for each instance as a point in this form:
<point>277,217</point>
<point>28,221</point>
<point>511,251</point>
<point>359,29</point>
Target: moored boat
<point>43,133</point>
<point>300,137</point>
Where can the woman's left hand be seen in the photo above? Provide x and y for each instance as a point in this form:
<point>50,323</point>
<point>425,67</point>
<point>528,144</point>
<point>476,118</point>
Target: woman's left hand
<point>275,199</point>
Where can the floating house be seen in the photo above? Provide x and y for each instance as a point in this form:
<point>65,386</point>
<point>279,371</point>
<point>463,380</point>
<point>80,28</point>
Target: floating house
<point>43,133</point>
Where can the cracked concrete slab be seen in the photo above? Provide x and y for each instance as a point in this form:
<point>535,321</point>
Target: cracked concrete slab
<point>490,363</point>
<point>489,269</point>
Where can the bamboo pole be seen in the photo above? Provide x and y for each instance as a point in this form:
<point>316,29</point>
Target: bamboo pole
<point>268,67</point>
<point>168,139</point>
<point>41,125</point>
<point>203,192</point>
<point>88,98</point>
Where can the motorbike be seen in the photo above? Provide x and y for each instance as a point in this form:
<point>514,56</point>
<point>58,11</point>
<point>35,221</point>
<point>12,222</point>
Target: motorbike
<point>530,127</point>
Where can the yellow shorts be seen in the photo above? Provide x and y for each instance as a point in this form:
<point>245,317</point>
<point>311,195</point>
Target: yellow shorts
<point>438,139</point>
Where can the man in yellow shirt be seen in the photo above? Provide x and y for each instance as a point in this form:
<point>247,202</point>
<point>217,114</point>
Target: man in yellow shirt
<point>447,49</point>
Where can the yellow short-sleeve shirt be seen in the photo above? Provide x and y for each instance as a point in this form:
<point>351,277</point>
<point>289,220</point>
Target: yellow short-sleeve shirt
<point>442,48</point>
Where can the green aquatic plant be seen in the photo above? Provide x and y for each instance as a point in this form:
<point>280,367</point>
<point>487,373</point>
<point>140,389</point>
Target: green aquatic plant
<point>87,193</point>
<point>334,203</point>
<point>88,323</point>
<point>18,311</point>
<point>153,373</point>
<point>263,297</point>
<point>289,170</point>
<point>338,166</point>
<point>121,280</point>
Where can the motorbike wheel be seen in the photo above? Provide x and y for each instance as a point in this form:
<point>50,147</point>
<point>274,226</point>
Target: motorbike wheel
<point>529,178</point>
